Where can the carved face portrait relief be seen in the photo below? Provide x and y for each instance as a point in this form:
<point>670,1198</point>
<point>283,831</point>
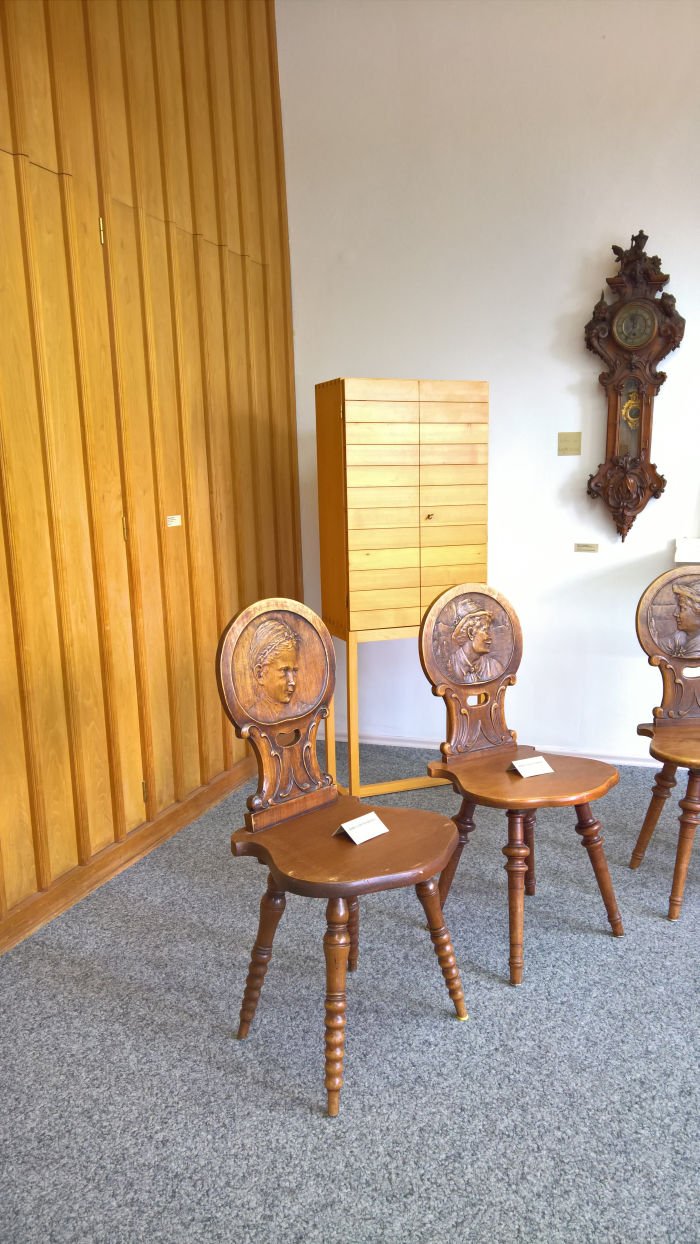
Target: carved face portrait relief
<point>274,655</point>
<point>673,618</point>
<point>472,639</point>
<point>283,670</point>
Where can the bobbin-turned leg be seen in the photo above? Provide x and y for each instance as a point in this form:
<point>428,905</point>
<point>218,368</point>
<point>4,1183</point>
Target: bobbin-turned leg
<point>516,853</point>
<point>354,931</point>
<point>429,894</point>
<point>336,946</point>
<point>529,833</point>
<point>464,820</point>
<point>690,815</point>
<point>664,783</point>
<point>589,829</point>
<point>272,905</point>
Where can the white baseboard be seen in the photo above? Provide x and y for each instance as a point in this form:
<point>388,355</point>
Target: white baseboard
<point>644,762</point>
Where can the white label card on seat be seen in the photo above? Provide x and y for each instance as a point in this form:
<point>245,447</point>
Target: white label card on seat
<point>530,766</point>
<point>362,828</point>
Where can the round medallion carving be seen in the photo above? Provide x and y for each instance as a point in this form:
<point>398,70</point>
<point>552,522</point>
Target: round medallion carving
<point>672,616</point>
<point>282,671</point>
<point>472,639</point>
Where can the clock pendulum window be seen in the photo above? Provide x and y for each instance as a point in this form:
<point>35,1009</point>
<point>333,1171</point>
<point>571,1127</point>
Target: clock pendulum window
<point>632,334</point>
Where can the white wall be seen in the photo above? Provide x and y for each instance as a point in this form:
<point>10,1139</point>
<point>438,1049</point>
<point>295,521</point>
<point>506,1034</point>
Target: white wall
<point>457,171</point>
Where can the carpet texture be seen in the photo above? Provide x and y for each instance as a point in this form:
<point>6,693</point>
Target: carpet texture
<point>564,1110</point>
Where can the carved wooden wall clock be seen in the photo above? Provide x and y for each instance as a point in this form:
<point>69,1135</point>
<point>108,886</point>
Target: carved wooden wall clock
<point>632,334</point>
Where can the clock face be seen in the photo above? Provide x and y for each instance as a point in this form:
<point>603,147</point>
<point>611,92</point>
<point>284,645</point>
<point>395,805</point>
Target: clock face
<point>634,325</point>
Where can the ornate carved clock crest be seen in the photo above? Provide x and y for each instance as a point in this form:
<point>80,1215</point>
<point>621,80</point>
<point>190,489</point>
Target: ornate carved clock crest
<point>632,334</point>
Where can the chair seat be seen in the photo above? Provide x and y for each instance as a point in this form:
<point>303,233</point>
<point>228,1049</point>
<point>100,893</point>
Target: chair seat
<point>678,743</point>
<point>487,779</point>
<point>306,857</point>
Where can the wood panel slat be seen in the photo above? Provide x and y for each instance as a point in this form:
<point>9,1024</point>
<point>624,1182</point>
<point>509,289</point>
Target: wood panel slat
<point>169,87</point>
<point>383,476</point>
<point>383,538</point>
<point>25,34</point>
<point>384,434</point>
<point>370,390</point>
<point>382,455</point>
<point>447,515</point>
<point>380,412</point>
<point>19,877</point>
<point>453,391</point>
<point>368,580</point>
<point>373,559</point>
<point>464,476</point>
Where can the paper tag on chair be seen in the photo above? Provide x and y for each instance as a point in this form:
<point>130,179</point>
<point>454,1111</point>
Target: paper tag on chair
<point>362,828</point>
<point>530,766</point>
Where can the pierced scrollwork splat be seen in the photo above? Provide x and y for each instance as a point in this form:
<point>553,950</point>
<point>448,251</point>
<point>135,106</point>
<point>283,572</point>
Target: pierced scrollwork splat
<point>477,725</point>
<point>470,647</point>
<point>668,628</point>
<point>631,335</point>
<point>276,675</point>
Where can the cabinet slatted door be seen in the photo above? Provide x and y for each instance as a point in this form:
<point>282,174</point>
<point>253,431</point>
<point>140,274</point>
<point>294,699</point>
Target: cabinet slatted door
<point>453,484</point>
<point>403,483</point>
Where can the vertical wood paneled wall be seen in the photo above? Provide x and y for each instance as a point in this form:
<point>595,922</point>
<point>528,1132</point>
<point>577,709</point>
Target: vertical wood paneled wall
<point>147,436</point>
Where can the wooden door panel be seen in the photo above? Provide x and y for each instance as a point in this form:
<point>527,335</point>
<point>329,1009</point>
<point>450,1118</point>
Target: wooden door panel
<point>31,567</point>
<point>172,511</point>
<point>140,496</point>
<point>68,503</point>
<point>196,477</point>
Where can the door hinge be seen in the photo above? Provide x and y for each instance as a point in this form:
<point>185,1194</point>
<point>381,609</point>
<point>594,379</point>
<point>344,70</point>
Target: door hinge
<point>124,526</point>
<point>102,231</point>
<point>144,788</point>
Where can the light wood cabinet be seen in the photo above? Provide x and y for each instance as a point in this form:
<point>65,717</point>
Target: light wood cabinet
<point>402,490</point>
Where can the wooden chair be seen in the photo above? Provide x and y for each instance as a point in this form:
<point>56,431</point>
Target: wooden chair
<point>470,648</point>
<point>668,628</point>
<point>276,675</point>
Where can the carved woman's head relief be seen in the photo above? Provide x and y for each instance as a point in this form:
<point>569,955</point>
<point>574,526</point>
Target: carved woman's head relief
<point>687,610</point>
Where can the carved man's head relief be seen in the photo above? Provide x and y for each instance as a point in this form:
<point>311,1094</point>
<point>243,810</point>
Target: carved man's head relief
<point>474,629</point>
<point>687,610</point>
<point>274,655</point>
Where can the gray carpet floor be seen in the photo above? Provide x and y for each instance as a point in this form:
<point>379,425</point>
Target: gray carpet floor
<point>564,1110</point>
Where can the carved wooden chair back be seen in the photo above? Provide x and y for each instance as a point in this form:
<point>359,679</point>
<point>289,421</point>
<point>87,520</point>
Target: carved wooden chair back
<point>668,629</point>
<point>470,649</point>
<point>275,667</point>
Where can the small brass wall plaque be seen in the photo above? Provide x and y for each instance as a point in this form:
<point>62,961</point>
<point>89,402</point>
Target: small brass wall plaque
<point>569,444</point>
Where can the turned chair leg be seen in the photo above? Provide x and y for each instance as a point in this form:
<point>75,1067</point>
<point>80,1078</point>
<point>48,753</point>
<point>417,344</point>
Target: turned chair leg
<point>336,946</point>
<point>272,905</point>
<point>516,853</point>
<point>663,785</point>
<point>429,895</point>
<point>530,844</point>
<point>354,931</point>
<point>690,815</point>
<point>464,820</point>
<point>589,829</point>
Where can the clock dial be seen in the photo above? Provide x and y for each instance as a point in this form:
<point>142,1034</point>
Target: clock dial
<point>634,325</point>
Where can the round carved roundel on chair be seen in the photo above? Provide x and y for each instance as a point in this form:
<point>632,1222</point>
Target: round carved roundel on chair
<point>271,683</point>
